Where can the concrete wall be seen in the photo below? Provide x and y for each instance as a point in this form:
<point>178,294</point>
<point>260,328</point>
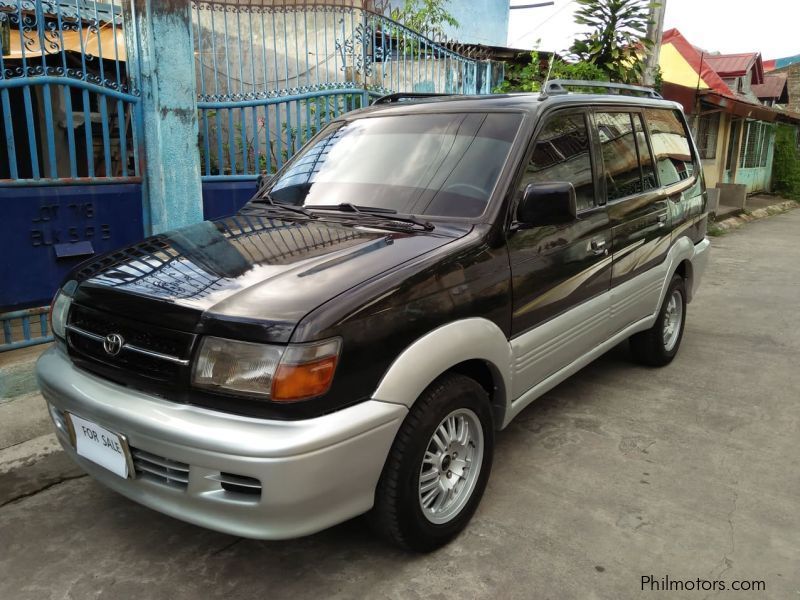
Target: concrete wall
<point>480,21</point>
<point>794,85</point>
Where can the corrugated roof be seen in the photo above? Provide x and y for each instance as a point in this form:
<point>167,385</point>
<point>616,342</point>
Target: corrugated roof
<point>773,88</point>
<point>780,63</point>
<point>737,65</point>
<point>697,59</point>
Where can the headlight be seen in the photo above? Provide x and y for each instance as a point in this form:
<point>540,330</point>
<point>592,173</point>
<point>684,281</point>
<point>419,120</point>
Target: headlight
<point>59,310</point>
<point>264,371</point>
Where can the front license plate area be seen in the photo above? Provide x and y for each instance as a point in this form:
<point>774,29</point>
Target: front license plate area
<point>101,446</point>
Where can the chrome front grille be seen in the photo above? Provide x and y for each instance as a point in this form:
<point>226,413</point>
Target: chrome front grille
<point>143,349</point>
<point>162,470</point>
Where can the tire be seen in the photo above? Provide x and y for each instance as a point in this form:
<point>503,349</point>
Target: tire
<point>399,515</point>
<point>658,345</point>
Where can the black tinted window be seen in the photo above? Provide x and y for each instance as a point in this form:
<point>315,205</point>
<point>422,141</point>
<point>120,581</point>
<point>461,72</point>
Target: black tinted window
<point>561,153</point>
<point>620,157</point>
<point>433,164</point>
<point>671,146</point>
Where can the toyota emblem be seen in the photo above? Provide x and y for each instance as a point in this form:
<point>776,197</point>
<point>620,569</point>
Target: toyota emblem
<point>113,344</point>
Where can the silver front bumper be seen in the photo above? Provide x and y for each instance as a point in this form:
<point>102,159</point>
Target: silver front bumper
<point>314,473</point>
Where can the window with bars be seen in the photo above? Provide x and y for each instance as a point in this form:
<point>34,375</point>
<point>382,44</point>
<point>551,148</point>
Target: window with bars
<point>707,131</point>
<point>755,145</point>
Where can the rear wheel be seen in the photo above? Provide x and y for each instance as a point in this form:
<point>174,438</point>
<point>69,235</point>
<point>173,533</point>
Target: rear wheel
<point>658,345</point>
<point>438,466</point>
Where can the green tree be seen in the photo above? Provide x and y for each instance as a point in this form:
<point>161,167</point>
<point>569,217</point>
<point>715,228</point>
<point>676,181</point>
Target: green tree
<point>616,39</point>
<point>530,77</point>
<point>786,164</point>
<point>428,17</point>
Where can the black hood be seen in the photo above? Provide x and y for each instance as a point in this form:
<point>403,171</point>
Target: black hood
<point>251,276</point>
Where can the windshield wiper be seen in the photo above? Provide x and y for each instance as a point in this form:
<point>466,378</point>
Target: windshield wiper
<point>267,199</point>
<point>374,212</point>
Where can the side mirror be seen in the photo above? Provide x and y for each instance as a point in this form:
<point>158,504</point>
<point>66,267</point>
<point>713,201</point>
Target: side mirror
<point>548,204</point>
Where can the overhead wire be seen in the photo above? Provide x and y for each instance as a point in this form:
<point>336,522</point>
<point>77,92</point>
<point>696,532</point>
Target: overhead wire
<point>544,22</point>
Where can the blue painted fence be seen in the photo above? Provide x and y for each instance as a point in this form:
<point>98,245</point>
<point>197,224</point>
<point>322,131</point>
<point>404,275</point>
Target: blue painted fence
<point>270,75</point>
<point>70,164</point>
<point>67,110</point>
<point>23,328</point>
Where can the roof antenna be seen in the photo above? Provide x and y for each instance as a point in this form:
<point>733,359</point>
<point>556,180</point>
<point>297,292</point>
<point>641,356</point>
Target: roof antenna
<point>549,71</point>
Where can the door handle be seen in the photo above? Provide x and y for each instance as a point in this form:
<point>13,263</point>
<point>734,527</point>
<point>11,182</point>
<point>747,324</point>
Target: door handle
<point>662,220</point>
<point>598,247</point>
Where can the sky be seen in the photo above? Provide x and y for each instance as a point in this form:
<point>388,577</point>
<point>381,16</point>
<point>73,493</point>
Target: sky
<point>727,26</point>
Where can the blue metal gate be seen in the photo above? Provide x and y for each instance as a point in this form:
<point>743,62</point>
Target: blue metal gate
<point>270,75</point>
<point>70,167</point>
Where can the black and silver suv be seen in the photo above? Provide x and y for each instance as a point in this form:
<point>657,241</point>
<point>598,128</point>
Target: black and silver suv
<point>350,341</point>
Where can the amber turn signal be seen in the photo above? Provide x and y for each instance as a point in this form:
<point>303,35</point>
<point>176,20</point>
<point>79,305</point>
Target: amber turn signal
<point>299,382</point>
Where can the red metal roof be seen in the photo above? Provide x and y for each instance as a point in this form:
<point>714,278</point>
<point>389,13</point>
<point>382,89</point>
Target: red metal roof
<point>697,59</point>
<point>773,88</point>
<point>737,65</point>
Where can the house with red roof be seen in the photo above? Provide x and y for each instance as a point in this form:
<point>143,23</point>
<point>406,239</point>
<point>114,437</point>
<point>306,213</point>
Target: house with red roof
<point>788,68</point>
<point>775,89</point>
<point>733,103</point>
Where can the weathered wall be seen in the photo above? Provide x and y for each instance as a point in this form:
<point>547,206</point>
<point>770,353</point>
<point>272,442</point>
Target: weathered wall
<point>166,77</point>
<point>793,83</point>
<point>480,21</point>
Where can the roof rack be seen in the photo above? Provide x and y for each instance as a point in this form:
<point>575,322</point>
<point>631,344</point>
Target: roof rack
<point>558,87</point>
<point>400,96</point>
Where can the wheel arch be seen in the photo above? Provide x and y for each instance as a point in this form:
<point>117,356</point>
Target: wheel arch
<point>680,252</point>
<point>686,270</point>
<point>474,347</point>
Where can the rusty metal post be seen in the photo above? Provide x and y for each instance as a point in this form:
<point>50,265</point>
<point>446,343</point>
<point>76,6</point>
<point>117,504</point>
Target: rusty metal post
<point>162,48</point>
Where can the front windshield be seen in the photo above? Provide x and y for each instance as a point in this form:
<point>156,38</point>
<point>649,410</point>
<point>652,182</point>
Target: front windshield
<point>431,164</point>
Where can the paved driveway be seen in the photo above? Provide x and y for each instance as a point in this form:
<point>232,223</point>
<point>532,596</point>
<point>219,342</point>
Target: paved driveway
<point>688,472</point>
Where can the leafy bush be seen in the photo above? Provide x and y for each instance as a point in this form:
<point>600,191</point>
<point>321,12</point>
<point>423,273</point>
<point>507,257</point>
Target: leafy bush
<point>529,78</point>
<point>786,165</point>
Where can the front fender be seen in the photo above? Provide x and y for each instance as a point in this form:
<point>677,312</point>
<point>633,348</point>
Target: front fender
<point>443,348</point>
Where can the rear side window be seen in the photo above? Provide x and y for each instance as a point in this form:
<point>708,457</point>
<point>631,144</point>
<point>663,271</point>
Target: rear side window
<point>671,146</point>
<point>620,154</point>
<point>561,153</point>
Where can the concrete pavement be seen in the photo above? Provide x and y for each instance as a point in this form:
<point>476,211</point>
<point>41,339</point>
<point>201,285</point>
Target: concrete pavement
<point>23,414</point>
<point>621,472</point>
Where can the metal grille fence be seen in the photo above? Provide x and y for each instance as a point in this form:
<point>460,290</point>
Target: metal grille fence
<point>270,75</point>
<point>23,328</point>
<point>68,112</point>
